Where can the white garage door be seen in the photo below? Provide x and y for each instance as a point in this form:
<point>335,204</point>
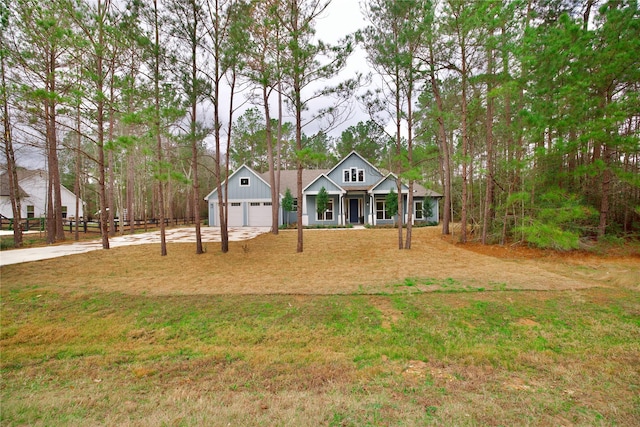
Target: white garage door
<point>235,215</point>
<point>260,214</point>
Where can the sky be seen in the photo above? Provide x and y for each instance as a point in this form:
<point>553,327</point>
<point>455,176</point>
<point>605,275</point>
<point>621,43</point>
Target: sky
<point>342,17</point>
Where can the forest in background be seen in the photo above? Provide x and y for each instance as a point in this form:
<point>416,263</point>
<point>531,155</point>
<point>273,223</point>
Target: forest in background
<point>523,114</point>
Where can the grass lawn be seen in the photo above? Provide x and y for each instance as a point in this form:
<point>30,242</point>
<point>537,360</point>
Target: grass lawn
<point>369,335</point>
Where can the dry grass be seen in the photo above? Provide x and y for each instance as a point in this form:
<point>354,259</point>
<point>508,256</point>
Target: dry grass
<point>333,262</point>
<point>364,334</point>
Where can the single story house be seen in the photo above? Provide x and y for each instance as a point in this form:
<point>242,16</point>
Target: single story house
<point>33,186</point>
<point>357,193</point>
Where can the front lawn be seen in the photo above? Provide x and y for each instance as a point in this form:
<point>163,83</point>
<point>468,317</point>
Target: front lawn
<point>100,347</point>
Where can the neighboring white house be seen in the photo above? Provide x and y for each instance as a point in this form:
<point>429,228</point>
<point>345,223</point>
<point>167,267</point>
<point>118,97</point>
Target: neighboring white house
<point>33,186</point>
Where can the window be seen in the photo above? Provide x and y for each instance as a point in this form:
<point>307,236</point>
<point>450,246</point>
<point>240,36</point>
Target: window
<point>255,203</point>
<point>64,212</point>
<point>353,175</point>
<point>381,210</point>
<point>266,204</point>
<point>295,205</point>
<point>419,211</point>
<point>30,211</point>
<point>328,214</point>
<point>236,204</point>
<point>244,182</point>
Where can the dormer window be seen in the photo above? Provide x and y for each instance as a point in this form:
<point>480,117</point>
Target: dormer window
<point>353,175</point>
<point>244,182</point>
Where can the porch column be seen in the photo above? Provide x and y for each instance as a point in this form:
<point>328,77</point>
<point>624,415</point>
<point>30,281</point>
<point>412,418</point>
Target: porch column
<point>305,217</point>
<point>371,210</point>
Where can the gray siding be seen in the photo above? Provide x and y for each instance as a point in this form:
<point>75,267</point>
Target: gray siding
<point>435,216</point>
<point>256,190</point>
<point>387,185</point>
<point>313,215</point>
<point>371,175</point>
<point>322,182</point>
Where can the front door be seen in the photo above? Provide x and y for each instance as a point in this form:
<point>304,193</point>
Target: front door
<point>354,214</point>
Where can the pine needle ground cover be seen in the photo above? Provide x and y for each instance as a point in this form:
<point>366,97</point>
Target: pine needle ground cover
<point>351,332</point>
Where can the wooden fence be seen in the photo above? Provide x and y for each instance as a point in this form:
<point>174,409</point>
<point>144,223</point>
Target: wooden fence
<point>39,224</point>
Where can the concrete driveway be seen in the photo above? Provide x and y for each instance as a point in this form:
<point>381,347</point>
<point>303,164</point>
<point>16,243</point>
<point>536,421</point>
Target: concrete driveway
<point>173,235</point>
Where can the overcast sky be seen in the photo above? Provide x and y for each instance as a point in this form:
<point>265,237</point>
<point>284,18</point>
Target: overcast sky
<point>342,17</point>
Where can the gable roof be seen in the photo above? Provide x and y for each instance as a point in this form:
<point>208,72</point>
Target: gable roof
<point>347,157</point>
<point>391,176</point>
<point>329,181</point>
<point>237,171</point>
<point>289,179</point>
<point>4,186</point>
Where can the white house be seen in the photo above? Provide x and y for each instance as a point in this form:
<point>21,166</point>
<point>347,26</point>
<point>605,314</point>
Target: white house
<point>33,186</point>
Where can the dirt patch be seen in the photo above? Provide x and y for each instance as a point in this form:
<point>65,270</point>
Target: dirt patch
<point>333,262</point>
<point>390,315</point>
<point>527,322</point>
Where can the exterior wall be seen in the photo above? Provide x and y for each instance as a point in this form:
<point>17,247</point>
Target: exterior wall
<point>313,215</point>
<point>434,217</point>
<point>371,174</point>
<point>36,186</point>
<point>387,185</point>
<point>5,207</point>
<point>288,218</point>
<point>322,181</point>
<point>256,191</point>
<point>378,221</point>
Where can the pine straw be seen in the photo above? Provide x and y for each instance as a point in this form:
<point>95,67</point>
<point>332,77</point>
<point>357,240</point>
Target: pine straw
<point>333,262</point>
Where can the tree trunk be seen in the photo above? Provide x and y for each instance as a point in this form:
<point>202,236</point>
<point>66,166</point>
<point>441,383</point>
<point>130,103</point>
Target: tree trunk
<point>12,175</point>
<point>300,245</point>
<point>407,244</point>
<point>444,146</point>
<point>76,186</point>
<point>157,126</point>
<point>112,174</point>
<point>465,146</point>
<point>270,159</point>
<point>488,196</point>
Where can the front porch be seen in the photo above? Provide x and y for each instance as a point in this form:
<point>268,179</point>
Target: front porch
<point>356,208</point>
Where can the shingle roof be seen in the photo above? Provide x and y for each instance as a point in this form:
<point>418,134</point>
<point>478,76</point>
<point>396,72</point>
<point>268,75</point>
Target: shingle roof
<point>288,179</point>
<point>4,182</point>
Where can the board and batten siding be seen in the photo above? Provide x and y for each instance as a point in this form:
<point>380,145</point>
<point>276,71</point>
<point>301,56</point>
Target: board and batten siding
<point>313,214</point>
<point>245,187</point>
<point>387,185</point>
<point>322,181</point>
<point>371,174</point>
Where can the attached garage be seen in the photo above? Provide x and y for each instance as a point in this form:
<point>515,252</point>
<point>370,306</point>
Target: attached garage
<point>236,215</point>
<point>249,200</point>
<point>235,212</point>
<point>260,214</point>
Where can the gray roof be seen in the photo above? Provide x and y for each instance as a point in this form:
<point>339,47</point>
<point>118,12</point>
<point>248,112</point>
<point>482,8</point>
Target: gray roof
<point>288,179</point>
<point>22,174</point>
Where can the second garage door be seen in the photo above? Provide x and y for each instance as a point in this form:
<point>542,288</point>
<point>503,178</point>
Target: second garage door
<point>260,214</point>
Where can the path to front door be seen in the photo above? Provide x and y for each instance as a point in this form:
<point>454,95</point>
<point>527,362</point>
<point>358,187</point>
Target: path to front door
<point>354,214</point>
